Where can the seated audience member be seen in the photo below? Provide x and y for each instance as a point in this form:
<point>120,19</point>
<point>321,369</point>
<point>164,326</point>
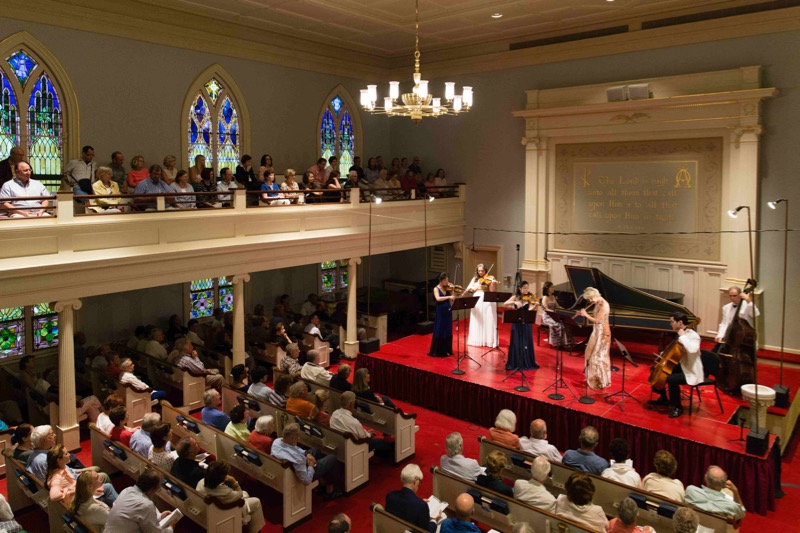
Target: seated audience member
<point>219,483</point>
<point>313,372</point>
<point>584,457</point>
<point>455,463</point>
<point>193,333</point>
<point>259,387</point>
<point>189,360</point>
<point>271,191</point>
<point>339,380</point>
<point>308,466</point>
<point>21,186</point>
<point>279,335</point>
<point>261,437</point>
<point>465,508</point>
<point>685,520</point>
<point>147,189</point>
<point>30,376</point>
<point>185,198</point>
<point>533,491</point>
<point>135,509</point>
<point>340,523</point>
<point>186,467</point>
<point>313,328</point>
<point>240,378</point>
<point>361,386</point>
<point>406,505</point>
<point>493,478</point>
<point>577,504</point>
<point>159,453</point>
<point>343,420</point>
<point>237,427</point>
<point>211,413</point>
<point>321,397</point>
<point>105,186</point>
<point>297,404</point>
<point>310,305</point>
<point>289,364</point>
<point>170,173</point>
<point>219,319</point>
<point>621,468</point>
<point>627,513</point>
<point>23,445</point>
<point>207,184</point>
<point>120,433</point>
<point>175,329</point>
<point>537,443</point>
<point>112,369</point>
<point>104,423</point>
<point>661,481</point>
<point>279,396</point>
<point>503,430</point>
<point>289,185</point>
<point>86,505</point>
<point>710,497</point>
<point>61,479</point>
<point>138,336</point>
<point>245,175</point>
<point>226,184</point>
<point>137,173</point>
<point>155,343</point>
<point>126,368</point>
<point>259,333</point>
<point>141,442</point>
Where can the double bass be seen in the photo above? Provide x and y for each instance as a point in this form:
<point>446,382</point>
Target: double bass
<point>737,352</point>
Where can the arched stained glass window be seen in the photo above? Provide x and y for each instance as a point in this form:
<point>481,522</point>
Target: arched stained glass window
<point>44,128</point>
<point>40,320</point>
<point>228,131</point>
<point>336,130</point>
<point>9,115</point>
<point>214,129</point>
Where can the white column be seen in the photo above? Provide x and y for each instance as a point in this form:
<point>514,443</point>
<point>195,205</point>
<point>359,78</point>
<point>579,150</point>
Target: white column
<point>534,268</point>
<point>351,344</point>
<point>238,318</point>
<point>67,429</point>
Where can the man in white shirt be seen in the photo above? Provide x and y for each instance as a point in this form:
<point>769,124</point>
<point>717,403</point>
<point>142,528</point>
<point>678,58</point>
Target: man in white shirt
<point>710,497</point>
<point>688,372</point>
<point>748,312</point>
<point>126,375</point>
<point>342,419</point>
<point>332,339</point>
<point>621,468</point>
<point>154,345</point>
<point>537,443</point>
<point>455,463</point>
<point>134,510</point>
<point>78,175</point>
<point>313,372</point>
<point>22,185</point>
<point>533,491</point>
<point>259,387</point>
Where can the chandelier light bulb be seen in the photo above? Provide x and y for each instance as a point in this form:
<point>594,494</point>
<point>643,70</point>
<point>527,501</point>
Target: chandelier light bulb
<point>467,94</point>
<point>394,90</point>
<point>457,103</point>
<point>387,104</point>
<point>423,88</point>
<point>372,90</point>
<point>449,90</point>
<point>378,199</point>
<point>437,105</point>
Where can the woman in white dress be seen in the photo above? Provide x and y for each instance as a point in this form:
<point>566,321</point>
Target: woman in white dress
<point>598,349</point>
<point>483,317</point>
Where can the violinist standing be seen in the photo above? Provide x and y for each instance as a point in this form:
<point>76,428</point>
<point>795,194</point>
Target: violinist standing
<point>483,317</point>
<point>520,351</point>
<point>442,342</point>
<point>688,372</point>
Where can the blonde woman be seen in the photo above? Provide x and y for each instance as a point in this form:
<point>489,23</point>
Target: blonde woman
<point>85,505</point>
<point>170,172</point>
<point>598,357</point>
<point>137,172</point>
<point>195,173</point>
<point>105,186</point>
<point>290,184</point>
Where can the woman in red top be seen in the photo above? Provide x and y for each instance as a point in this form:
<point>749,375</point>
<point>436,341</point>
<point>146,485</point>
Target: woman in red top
<point>120,433</point>
<point>503,430</point>
<point>137,172</point>
<point>261,437</point>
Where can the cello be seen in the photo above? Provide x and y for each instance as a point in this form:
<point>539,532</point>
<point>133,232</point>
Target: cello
<point>737,352</point>
<point>667,361</point>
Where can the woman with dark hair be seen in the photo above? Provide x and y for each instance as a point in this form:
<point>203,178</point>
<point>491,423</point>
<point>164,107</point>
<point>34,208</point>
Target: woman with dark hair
<point>21,440</point>
<point>442,340</point>
<point>577,504</point>
<point>207,184</point>
<point>372,170</point>
<point>333,183</point>
<point>158,453</point>
<point>520,350</point>
<point>266,163</point>
<point>244,173</point>
<point>558,335</point>
<point>272,196</point>
<point>237,427</point>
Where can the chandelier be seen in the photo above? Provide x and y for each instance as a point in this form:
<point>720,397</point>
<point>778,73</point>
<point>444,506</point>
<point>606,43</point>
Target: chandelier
<point>419,103</point>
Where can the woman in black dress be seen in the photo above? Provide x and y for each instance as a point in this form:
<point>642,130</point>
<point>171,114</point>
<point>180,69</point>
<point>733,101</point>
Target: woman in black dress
<point>442,342</point>
<point>520,350</point>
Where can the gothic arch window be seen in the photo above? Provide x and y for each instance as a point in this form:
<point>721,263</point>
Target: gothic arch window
<point>38,108</point>
<point>339,129</point>
<point>214,121</point>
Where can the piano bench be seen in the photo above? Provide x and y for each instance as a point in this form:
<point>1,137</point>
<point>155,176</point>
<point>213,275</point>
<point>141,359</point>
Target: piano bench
<point>539,328</point>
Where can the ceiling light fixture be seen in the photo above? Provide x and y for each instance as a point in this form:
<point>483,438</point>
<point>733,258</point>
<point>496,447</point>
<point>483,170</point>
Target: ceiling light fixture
<point>418,103</point>
<point>497,15</point>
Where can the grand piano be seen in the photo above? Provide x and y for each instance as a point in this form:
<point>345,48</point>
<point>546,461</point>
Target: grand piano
<point>631,308</point>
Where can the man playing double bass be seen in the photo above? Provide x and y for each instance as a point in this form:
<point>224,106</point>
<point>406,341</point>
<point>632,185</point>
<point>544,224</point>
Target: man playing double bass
<point>729,313</point>
<point>688,372</point>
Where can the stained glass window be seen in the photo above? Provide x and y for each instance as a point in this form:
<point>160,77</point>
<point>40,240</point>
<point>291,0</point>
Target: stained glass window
<point>207,294</point>
<point>15,322</point>
<point>11,313</point>
<point>336,104</point>
<point>328,280</point>
<point>44,128</point>
<point>202,304</point>
<point>42,309</point>
<point>214,130</point>
<point>346,147</point>
<point>12,338</point>
<point>333,275</point>
<point>202,284</point>
<point>9,116</point>
<point>45,332</point>
<point>226,299</point>
<point>336,135</point>
<point>327,136</point>
<point>22,65</point>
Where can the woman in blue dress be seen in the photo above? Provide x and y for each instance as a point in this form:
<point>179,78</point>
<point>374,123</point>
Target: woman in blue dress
<point>520,350</point>
<point>442,342</point>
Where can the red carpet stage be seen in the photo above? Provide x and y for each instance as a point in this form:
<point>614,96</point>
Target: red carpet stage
<point>402,370</point>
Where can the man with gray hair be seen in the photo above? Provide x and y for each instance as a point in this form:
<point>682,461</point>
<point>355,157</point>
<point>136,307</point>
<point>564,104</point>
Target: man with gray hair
<point>406,505</point>
<point>748,312</point>
<point>313,372</point>
<point>343,420</point>
<point>455,463</point>
<point>289,364</point>
<point>584,457</point>
<point>533,491</point>
<point>141,441</point>
<point>537,443</point>
<point>710,497</point>
<point>685,520</point>
<point>211,413</point>
<point>627,512</point>
<point>308,466</point>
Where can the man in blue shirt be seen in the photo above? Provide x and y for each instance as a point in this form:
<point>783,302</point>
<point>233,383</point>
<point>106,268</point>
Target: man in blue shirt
<point>584,458</point>
<point>140,441</point>
<point>308,466</point>
<point>211,413</point>
<point>465,507</point>
<point>150,187</point>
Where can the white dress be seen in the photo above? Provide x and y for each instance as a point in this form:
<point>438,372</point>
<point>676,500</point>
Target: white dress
<point>482,320</point>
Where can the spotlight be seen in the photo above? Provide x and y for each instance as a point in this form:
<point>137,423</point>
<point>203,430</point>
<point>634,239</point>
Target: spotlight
<point>733,213</point>
<point>378,199</point>
<point>774,203</point>
<point>431,198</point>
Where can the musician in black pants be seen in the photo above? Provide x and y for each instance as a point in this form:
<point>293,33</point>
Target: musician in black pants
<point>688,372</point>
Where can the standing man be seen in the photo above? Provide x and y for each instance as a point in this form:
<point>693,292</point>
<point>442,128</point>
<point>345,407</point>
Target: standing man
<point>748,312</point>
<point>23,185</point>
<point>357,167</point>
<point>415,166</point>
<point>688,372</point>
<point>79,173</point>
<point>318,170</point>
<point>9,164</point>
<point>118,172</point>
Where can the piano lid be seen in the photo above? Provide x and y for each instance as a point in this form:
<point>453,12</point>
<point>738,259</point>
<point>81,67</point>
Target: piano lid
<point>630,307</point>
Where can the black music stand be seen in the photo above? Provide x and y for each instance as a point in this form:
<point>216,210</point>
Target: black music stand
<point>495,298</point>
<point>461,304</point>
<point>523,317</point>
<point>559,378</point>
<point>626,356</point>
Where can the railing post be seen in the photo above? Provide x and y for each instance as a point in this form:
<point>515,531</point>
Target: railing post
<point>240,200</point>
<point>160,203</point>
<point>413,194</point>
<point>65,209</point>
<point>355,196</point>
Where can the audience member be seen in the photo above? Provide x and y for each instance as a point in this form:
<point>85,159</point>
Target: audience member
<point>155,343</point>
<point>271,191</point>
<point>207,184</point>
<point>339,380</point>
<point>621,468</point>
<point>537,443</point>
<point>577,504</point>
<point>382,183</point>
<point>685,520</point>
<point>261,437</point>
<point>189,360</point>
<point>710,497</point>
<point>503,430</point>
<point>340,523</point>
<point>465,508</point>
<point>78,174</point>
<point>533,491</point>
<point>310,305</point>
<point>240,378</point>
<point>118,172</point>
<point>245,175</point>
<point>361,386</point>
<point>584,457</point>
<point>150,187</point>
<point>372,170</point>
<point>106,187</point>
<point>406,505</point>
<point>318,170</point>
<point>226,185</point>
<point>135,510</point>
<point>237,427</point>
<point>85,504</point>
<point>126,368</point>
<point>23,445</point>
<point>159,453</point>
<point>289,365</point>
<point>141,442</point>
<point>661,482</point>
<point>23,185</point>
<point>625,522</point>
<point>193,333</point>
<point>343,420</point>
<point>61,478</point>
<point>356,167</point>
<point>313,372</point>
<point>104,423</point>
<point>9,164</point>
<point>170,173</point>
<point>266,163</point>
<point>221,485</point>
<point>211,413</point>
<point>297,404</point>
<point>181,185</point>
<point>259,387</point>
<point>137,173</point>
<point>120,433</point>
<point>308,466</point>
<point>279,396</point>
<point>493,477</point>
<point>195,171</point>
<point>186,467</point>
<point>455,463</point>
<point>289,186</point>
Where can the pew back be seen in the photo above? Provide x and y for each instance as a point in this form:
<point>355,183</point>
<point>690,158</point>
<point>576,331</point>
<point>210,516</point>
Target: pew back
<point>315,342</point>
<point>161,373</point>
<point>384,522</point>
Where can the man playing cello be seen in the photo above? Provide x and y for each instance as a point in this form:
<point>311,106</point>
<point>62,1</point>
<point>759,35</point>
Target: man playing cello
<point>688,372</point>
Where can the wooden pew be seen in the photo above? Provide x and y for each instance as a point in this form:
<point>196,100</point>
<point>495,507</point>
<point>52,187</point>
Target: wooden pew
<point>161,373</point>
<point>383,522</point>
<point>5,444</point>
<point>137,402</point>
<point>384,419</point>
<point>207,512</point>
<point>272,354</point>
<point>498,511</point>
<point>608,493</point>
<point>353,453</point>
<point>323,348</point>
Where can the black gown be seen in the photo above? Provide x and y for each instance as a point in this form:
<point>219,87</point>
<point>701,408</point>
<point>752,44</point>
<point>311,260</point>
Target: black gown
<point>442,342</point>
<point>520,350</point>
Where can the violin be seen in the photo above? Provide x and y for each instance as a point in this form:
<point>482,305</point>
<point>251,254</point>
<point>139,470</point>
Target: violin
<point>458,289</point>
<point>529,298</point>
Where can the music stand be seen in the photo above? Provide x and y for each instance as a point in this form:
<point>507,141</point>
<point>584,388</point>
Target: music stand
<point>559,378</point>
<point>626,356</point>
<point>460,304</point>
<point>495,298</point>
<point>523,317</point>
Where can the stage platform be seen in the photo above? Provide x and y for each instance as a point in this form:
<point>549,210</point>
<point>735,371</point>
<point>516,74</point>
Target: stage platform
<point>403,370</point>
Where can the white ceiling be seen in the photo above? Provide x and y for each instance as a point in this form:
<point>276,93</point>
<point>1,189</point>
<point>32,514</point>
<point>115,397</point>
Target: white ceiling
<point>385,28</point>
